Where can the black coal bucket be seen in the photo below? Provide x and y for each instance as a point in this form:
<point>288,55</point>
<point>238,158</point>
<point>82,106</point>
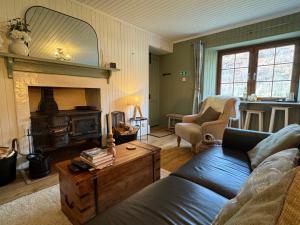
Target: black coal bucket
<point>8,169</point>
<point>39,165</point>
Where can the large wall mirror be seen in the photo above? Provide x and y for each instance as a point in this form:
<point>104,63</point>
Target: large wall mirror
<point>58,36</point>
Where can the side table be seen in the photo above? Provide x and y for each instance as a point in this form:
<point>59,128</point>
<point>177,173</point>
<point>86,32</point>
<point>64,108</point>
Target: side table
<point>173,118</point>
<point>138,123</point>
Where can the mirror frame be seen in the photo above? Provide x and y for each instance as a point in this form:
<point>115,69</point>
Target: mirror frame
<point>99,66</point>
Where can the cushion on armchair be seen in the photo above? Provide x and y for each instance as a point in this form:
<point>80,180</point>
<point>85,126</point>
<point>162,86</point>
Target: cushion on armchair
<point>209,115</point>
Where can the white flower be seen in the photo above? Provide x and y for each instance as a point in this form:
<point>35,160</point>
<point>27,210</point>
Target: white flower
<point>26,37</point>
<point>16,34</point>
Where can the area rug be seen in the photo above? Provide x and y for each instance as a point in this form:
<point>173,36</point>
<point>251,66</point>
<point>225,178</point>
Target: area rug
<point>161,133</point>
<point>39,208</point>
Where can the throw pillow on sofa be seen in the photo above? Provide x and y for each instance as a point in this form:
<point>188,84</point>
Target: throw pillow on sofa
<point>209,115</point>
<point>277,205</point>
<point>288,137</point>
<point>266,174</point>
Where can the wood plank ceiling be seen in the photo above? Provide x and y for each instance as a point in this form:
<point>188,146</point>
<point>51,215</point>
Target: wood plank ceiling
<point>178,19</point>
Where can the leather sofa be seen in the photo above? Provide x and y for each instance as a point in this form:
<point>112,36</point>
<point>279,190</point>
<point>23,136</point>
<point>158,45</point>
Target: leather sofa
<point>196,192</point>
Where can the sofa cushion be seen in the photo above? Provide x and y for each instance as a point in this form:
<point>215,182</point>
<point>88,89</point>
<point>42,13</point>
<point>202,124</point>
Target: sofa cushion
<point>243,140</point>
<point>266,174</point>
<point>277,205</point>
<point>288,137</point>
<point>209,115</point>
<point>290,211</point>
<point>172,200</point>
<point>222,170</point>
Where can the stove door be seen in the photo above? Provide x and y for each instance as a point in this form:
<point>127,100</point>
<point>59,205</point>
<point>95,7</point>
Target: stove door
<point>84,125</point>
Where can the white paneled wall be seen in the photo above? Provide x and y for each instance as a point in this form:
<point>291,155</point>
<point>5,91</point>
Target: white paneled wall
<point>120,42</point>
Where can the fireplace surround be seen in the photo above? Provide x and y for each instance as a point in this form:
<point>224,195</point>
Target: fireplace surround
<point>24,80</point>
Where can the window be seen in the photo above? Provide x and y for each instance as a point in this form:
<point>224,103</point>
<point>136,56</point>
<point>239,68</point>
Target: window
<point>268,70</point>
<point>274,71</point>
<point>234,74</point>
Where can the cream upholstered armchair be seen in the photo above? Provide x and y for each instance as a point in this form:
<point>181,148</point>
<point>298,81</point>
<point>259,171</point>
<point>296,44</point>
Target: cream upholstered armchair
<point>192,132</point>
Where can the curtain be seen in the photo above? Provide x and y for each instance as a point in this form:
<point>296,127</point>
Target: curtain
<point>198,71</point>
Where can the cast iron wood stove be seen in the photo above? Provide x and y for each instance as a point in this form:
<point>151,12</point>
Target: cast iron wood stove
<point>52,129</point>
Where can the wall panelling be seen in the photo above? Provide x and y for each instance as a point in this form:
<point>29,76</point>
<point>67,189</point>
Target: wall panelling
<point>120,42</point>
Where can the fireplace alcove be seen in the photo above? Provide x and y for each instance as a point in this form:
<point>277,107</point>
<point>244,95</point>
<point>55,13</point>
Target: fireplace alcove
<point>64,121</point>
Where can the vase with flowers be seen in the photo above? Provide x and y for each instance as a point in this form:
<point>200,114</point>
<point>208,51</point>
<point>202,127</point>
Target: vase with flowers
<point>18,32</point>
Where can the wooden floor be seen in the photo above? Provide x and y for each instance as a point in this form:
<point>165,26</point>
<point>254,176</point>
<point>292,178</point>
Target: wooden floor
<point>172,158</point>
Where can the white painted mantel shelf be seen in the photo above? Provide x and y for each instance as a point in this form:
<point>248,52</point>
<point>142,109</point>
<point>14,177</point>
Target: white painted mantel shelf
<point>48,66</point>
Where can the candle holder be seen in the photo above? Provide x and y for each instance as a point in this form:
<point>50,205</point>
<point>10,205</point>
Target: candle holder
<point>111,145</point>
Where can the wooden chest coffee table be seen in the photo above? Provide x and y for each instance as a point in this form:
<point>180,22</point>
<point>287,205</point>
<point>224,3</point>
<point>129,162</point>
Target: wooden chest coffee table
<point>85,194</point>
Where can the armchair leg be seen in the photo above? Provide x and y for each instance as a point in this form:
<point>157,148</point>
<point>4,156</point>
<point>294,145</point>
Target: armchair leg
<point>178,141</point>
<point>194,148</point>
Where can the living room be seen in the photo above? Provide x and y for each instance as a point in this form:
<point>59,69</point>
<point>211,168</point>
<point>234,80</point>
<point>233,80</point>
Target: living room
<point>149,112</point>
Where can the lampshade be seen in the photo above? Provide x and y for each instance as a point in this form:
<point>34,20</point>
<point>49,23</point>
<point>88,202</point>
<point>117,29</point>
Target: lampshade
<point>135,100</point>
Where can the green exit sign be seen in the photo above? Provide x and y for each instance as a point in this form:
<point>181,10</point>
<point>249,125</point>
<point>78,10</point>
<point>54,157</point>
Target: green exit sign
<point>183,73</point>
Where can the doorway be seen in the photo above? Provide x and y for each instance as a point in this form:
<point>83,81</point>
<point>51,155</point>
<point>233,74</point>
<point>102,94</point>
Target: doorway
<point>154,89</point>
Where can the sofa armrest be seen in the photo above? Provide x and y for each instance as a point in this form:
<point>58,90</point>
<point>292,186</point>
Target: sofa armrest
<point>216,128</point>
<point>243,140</point>
<point>189,118</point>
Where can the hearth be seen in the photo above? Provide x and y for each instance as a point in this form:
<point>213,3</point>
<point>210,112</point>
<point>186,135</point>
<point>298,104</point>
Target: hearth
<point>52,128</point>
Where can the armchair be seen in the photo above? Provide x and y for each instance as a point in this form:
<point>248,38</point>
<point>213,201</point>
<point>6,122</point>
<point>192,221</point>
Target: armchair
<point>192,132</point>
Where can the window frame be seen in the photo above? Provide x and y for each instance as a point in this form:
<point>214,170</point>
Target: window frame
<point>253,58</point>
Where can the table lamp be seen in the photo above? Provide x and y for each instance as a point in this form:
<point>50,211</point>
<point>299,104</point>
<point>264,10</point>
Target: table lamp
<point>136,101</point>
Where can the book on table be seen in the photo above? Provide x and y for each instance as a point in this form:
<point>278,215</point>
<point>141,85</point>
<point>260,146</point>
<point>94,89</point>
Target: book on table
<point>99,165</point>
<point>103,165</point>
<point>97,158</point>
<point>96,163</point>
<point>95,153</point>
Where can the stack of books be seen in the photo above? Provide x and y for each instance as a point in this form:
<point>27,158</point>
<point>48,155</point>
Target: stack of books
<point>97,158</point>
